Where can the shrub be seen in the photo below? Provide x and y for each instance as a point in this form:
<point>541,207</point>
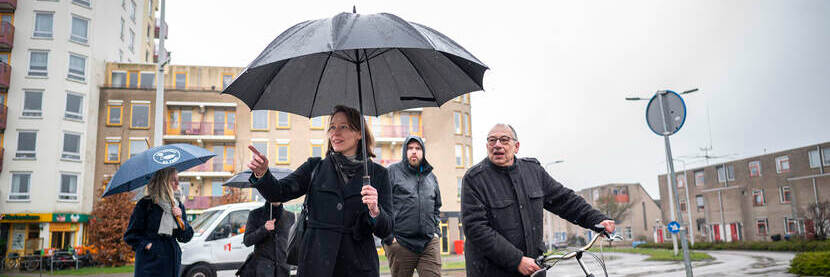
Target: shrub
<point>811,263</point>
<point>791,245</point>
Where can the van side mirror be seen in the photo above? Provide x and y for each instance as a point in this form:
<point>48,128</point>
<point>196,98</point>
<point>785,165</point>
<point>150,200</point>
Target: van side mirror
<point>221,232</point>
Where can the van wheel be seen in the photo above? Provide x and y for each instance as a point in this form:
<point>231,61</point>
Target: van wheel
<point>201,271</point>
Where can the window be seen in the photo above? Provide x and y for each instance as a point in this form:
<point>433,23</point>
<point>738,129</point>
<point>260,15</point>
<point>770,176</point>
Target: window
<point>21,182</point>
<point>469,156</point>
<point>61,240</point>
<point>131,41</point>
<point>378,151</point>
<point>464,127</point>
<point>755,168</point>
<point>84,3</point>
<point>681,180</point>
<point>137,146</point>
<point>118,79</point>
<point>459,156</point>
<point>69,187</point>
<point>283,120</point>
<point>259,120</point>
<point>317,150</point>
<point>790,225</point>
<point>73,106</point>
<point>32,103</point>
<point>283,154</point>
<point>148,79</point>
<point>682,204</point>
<point>113,151</point>
<point>26,145</point>
<point>121,31</point>
<point>699,178</point>
<point>826,154</point>
<point>71,146</point>
<point>226,80</point>
<point>262,147</point>
<point>132,10</point>
<point>469,124</point>
<point>114,114</point>
<point>700,203</point>
<point>216,188</point>
<point>762,226</point>
<point>627,233</point>
<point>38,63</point>
<point>80,29</point>
<point>77,67</point>
<point>460,181</point>
<point>317,123</point>
<point>457,119</point>
<point>730,173</point>
<point>132,79</point>
<point>784,194</point>
<point>814,159</point>
<point>140,115</point>
<point>758,198</point>
<point>782,164</point>
<point>181,80</point>
<point>43,24</point>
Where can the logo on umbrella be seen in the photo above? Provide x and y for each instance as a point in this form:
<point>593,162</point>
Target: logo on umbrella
<point>167,156</point>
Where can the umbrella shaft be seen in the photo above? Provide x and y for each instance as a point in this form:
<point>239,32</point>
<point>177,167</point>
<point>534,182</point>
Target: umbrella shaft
<point>362,123</point>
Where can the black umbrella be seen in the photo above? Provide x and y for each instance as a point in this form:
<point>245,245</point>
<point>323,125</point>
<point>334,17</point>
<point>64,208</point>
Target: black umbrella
<point>375,63</point>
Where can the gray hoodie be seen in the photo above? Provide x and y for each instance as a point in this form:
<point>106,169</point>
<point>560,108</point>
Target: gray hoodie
<point>416,201</point>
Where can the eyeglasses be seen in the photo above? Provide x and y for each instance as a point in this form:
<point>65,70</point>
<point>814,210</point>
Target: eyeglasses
<point>503,140</point>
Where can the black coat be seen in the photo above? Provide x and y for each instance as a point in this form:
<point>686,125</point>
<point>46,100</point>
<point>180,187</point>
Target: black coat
<point>339,230</point>
<point>265,256</point>
<point>416,202</point>
<point>501,209</point>
<point>164,257</point>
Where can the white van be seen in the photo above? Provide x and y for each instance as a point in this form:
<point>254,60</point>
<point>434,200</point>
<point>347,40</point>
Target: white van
<point>217,241</point>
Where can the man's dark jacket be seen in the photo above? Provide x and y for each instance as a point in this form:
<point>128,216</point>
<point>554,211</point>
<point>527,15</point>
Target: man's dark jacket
<point>502,210</point>
<point>416,201</point>
<point>268,258</point>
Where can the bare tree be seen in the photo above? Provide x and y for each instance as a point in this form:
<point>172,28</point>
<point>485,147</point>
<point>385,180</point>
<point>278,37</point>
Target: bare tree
<point>614,209</point>
<point>819,213</point>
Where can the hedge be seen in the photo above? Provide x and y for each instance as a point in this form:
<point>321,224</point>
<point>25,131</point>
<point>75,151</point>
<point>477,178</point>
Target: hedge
<point>811,263</point>
<point>791,246</point>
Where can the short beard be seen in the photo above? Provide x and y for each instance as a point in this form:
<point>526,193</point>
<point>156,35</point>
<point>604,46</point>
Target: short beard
<point>413,165</point>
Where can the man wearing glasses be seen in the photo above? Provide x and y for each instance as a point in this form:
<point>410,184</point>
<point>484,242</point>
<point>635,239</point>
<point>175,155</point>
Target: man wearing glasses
<point>502,201</point>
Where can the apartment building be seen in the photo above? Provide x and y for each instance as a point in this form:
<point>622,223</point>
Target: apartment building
<point>52,59</point>
<point>753,198</point>
<point>196,113</point>
<point>638,222</point>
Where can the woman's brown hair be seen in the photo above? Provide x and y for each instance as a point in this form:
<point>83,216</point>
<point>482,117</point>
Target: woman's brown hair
<point>159,188</point>
<point>353,118</point>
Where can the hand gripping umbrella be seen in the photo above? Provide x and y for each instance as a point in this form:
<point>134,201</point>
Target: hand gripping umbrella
<point>375,63</point>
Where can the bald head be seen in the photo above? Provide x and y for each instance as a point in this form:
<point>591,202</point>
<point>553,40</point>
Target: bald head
<point>504,127</point>
<point>502,144</point>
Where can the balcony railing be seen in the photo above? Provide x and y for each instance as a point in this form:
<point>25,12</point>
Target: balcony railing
<point>202,202</point>
<point>158,29</point>
<point>5,75</point>
<point>8,5</point>
<point>394,131</point>
<point>199,128</point>
<point>6,36</point>
<point>4,110</point>
<point>215,165</point>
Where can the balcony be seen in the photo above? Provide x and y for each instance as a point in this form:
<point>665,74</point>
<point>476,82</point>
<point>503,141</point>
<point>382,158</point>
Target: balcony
<point>203,130</point>
<point>4,110</point>
<point>5,75</point>
<point>8,5</point>
<point>6,36</point>
<point>2,151</point>
<point>212,168</point>
<point>202,202</point>
<point>393,133</point>
<point>158,29</point>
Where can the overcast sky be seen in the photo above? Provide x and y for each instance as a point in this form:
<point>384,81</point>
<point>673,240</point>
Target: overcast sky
<point>560,71</point>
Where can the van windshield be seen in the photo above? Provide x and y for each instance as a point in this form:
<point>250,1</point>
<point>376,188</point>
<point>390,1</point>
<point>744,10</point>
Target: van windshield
<point>203,221</point>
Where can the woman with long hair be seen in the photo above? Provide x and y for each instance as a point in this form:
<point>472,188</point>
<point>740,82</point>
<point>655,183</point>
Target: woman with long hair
<point>343,214</point>
<point>158,221</point>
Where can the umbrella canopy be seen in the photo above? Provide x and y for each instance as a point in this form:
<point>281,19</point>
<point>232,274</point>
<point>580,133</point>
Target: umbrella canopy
<point>136,171</point>
<point>240,180</point>
<point>375,63</point>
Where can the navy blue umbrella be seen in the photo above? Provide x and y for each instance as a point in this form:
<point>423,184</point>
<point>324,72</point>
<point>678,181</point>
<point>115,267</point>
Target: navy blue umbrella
<point>136,171</point>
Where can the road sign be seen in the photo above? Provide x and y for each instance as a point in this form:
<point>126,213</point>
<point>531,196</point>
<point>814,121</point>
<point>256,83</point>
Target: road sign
<point>672,112</point>
<point>673,227</point>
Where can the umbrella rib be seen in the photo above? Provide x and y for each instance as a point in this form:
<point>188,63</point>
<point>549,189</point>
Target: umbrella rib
<point>371,83</point>
<point>317,89</point>
<point>378,54</point>
<point>419,73</point>
<point>336,55</point>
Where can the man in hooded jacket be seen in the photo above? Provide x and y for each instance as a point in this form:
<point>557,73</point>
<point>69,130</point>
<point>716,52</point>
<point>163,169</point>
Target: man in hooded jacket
<point>416,201</point>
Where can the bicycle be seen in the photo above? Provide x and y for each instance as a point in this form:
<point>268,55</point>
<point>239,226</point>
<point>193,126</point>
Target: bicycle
<point>595,266</point>
<point>12,262</point>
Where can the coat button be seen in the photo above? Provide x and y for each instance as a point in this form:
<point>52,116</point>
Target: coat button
<point>339,206</point>
<point>521,207</point>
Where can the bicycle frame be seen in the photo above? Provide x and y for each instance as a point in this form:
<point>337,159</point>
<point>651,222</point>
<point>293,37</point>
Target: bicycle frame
<point>545,261</point>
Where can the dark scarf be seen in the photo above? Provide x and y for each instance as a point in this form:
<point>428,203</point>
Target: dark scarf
<point>345,167</point>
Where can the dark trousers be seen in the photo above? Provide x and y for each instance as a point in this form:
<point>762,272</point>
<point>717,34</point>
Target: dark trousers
<point>403,262</point>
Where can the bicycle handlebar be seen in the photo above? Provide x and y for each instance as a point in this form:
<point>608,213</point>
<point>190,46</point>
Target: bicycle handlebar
<point>542,259</point>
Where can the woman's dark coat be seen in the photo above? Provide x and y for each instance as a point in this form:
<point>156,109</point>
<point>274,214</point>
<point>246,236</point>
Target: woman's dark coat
<point>338,238</point>
<point>268,252</point>
<point>164,257</point>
